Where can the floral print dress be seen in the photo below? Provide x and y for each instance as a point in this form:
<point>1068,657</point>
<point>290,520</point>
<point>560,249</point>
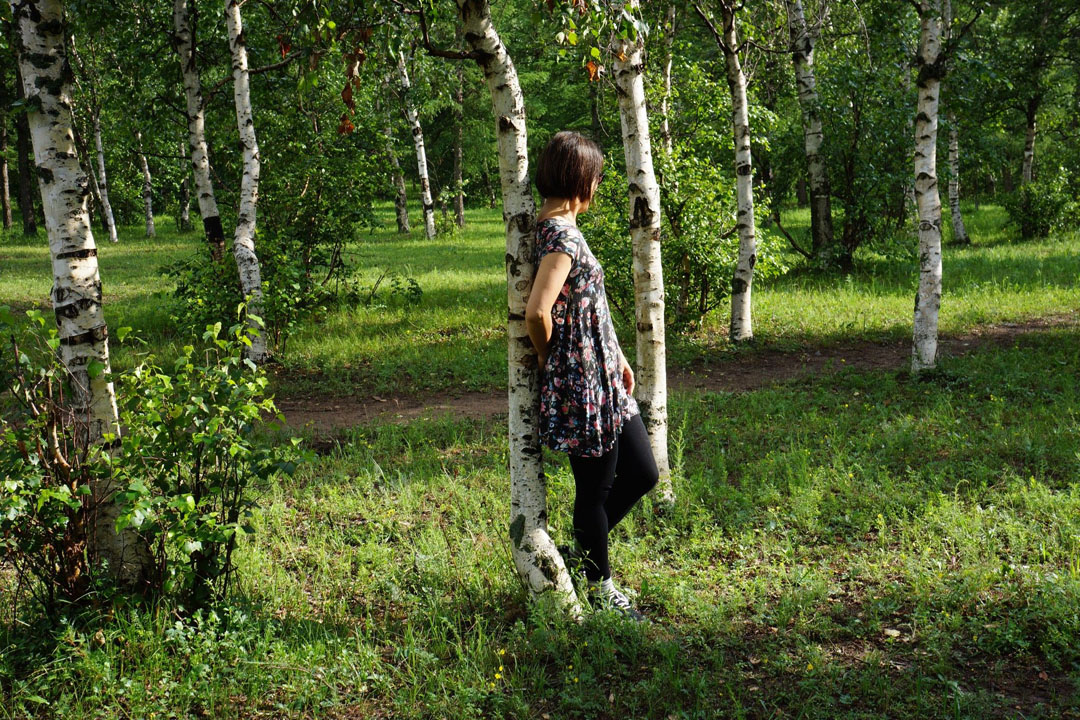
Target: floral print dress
<point>583,402</point>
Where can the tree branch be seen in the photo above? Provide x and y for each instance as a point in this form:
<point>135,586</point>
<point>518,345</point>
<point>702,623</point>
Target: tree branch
<point>712,28</point>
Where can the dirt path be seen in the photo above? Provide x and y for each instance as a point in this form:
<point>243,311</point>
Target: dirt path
<point>327,414</point>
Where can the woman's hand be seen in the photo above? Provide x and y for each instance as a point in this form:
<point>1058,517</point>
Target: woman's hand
<point>627,374</point>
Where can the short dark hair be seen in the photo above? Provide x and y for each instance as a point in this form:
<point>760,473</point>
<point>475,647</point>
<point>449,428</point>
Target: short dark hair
<point>568,165</point>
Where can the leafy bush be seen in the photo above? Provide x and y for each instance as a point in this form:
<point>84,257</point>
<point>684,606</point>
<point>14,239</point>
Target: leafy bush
<point>1044,206</point>
<point>46,474</point>
<point>192,457</point>
<point>184,471</point>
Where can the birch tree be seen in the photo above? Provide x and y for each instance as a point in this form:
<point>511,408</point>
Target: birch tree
<point>5,187</point>
<point>401,200</point>
<point>742,328</point>
<point>183,40</point>
<point>802,56</point>
<point>459,141</point>
<point>538,563</point>
<point>418,142</point>
<point>960,235</point>
<point>76,293</point>
<point>247,262</point>
<point>930,65</point>
<point>22,154</point>
<point>148,186</point>
<point>651,371</point>
<point>99,179</point>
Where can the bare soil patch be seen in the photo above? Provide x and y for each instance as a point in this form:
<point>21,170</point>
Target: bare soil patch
<point>756,369</point>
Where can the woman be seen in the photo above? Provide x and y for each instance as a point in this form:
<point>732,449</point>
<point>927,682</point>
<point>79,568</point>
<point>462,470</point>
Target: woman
<point>586,406</point>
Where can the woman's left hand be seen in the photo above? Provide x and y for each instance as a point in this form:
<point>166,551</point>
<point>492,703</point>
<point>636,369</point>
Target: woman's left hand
<point>627,374</point>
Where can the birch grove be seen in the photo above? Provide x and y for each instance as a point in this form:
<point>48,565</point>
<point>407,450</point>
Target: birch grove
<point>183,40</point>
<point>930,66</point>
<point>247,262</point>
<point>802,55</point>
<point>538,562</point>
<point>99,179</point>
<point>742,328</point>
<point>418,142</point>
<point>76,293</point>
<point>644,196</point>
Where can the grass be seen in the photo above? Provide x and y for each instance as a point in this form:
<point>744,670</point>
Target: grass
<point>857,545</point>
<point>861,545</point>
<point>455,338</point>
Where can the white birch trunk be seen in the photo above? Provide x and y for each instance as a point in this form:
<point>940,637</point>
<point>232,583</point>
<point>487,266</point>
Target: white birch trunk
<point>247,262</point>
<point>184,43</point>
<point>76,292</point>
<point>401,199</point>
<point>538,563</point>
<point>742,327</point>
<point>651,371</point>
<point>665,98</point>
<point>959,231</point>
<point>928,299</point>
<point>5,186</point>
<point>148,187</point>
<point>1027,172</point>
<point>102,181</point>
<point>185,194</point>
<point>418,141</point>
<point>802,55</point>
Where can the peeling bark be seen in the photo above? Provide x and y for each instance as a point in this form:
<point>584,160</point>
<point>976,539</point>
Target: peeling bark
<point>183,40</point>
<point>928,299</point>
<point>418,142</point>
<point>538,563</point>
<point>651,371</point>
<point>76,292</point>
<point>247,262</point>
<point>148,187</point>
<point>802,55</point>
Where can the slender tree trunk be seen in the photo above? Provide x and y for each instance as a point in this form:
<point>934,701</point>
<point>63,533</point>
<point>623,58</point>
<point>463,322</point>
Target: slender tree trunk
<point>184,43</point>
<point>459,141</point>
<point>102,182</point>
<point>185,195</point>
<point>247,262</point>
<point>5,187</point>
<point>22,152</point>
<point>651,369</point>
<point>1029,141</point>
<point>538,562</point>
<point>148,187</point>
<point>665,98</point>
<point>742,327</point>
<point>802,55</point>
<point>76,293</point>
<point>960,235</point>
<point>401,200</point>
<point>421,154</point>
<point>959,231</point>
<point>928,299</point>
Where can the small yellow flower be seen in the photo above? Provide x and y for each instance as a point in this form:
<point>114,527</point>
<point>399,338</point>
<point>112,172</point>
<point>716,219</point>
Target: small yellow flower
<point>570,666</point>
<point>809,666</point>
<point>492,685</point>
<point>575,679</point>
<point>498,676</point>
<point>502,651</point>
<point>500,668</point>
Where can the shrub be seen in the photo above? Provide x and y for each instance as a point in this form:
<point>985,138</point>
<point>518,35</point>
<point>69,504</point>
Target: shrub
<point>1043,206</point>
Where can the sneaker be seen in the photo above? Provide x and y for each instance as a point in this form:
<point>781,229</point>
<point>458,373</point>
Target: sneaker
<point>611,598</point>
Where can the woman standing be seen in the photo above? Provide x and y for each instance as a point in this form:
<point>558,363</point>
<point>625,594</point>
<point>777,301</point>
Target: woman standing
<point>586,406</point>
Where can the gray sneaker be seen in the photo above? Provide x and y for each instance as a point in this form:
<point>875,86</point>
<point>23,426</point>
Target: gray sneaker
<point>616,601</point>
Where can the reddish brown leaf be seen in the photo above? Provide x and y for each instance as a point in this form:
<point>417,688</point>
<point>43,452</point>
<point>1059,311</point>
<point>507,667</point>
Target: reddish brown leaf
<point>347,98</point>
<point>592,68</point>
<point>283,45</point>
<point>346,126</point>
<point>364,34</point>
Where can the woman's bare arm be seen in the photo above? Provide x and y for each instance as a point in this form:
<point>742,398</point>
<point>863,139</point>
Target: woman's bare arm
<point>550,278</point>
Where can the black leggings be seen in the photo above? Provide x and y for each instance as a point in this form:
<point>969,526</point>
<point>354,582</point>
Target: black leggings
<point>607,487</point>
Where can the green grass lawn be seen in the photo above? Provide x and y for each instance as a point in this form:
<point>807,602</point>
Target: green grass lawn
<point>455,337</point>
<point>862,545</point>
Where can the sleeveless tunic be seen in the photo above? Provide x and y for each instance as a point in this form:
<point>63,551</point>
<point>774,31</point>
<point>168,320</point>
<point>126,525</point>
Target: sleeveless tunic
<point>583,402</point>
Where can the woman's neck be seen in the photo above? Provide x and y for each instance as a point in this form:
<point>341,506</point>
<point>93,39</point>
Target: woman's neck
<point>562,208</point>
